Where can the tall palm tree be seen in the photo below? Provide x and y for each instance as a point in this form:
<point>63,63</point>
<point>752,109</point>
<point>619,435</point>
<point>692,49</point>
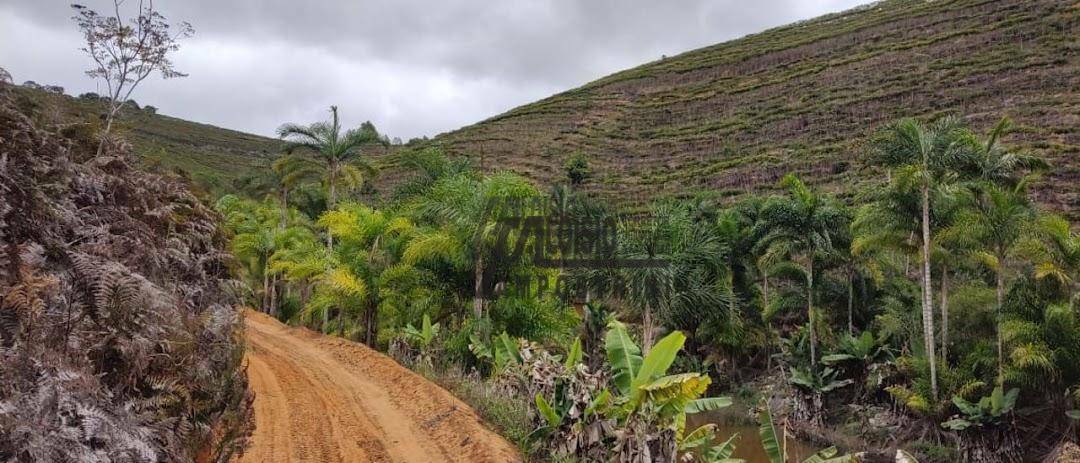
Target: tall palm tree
<point>989,161</point>
<point>925,159</point>
<point>949,252</point>
<point>799,227</point>
<point>859,264</point>
<point>337,152</point>
<point>1060,260</point>
<point>997,225</point>
<point>1003,216</point>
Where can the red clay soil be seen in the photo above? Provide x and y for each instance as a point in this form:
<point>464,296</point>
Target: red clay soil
<point>320,398</point>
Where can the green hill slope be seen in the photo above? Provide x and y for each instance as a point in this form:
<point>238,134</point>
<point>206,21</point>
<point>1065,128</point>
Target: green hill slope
<point>211,155</point>
<point>736,116</point>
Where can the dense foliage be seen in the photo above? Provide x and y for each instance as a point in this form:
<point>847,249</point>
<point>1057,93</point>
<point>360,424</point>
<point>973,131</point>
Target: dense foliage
<point>939,289</point>
<point>119,337</point>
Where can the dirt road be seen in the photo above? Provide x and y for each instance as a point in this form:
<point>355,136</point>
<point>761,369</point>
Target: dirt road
<point>319,398</point>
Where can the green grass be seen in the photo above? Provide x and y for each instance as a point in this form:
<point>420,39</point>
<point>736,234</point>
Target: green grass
<point>212,156</point>
<point>507,414</point>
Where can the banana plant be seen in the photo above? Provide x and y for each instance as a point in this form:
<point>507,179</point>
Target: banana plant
<point>988,411</point>
<point>772,441</point>
<point>646,393</point>
<point>501,352</point>
<point>863,349</point>
<point>700,438</point>
<point>648,405</point>
<point>555,415</point>
<point>644,381</point>
<point>818,382</point>
<point>574,355</point>
<point>423,338</point>
<point>864,357</point>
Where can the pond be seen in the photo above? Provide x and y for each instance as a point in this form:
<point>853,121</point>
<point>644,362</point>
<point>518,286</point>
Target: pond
<point>735,419</point>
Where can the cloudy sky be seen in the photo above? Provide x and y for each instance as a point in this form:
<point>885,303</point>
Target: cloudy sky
<point>412,67</point>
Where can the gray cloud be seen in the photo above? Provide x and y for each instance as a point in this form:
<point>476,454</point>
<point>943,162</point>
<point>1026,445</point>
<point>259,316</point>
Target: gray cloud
<point>412,67</point>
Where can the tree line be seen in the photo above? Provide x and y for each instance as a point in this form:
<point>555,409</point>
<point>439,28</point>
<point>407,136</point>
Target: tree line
<point>942,288</point>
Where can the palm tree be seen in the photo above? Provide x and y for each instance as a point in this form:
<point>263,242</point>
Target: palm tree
<point>801,228</point>
<point>1060,260</point>
<point>278,178</point>
<point>301,264</point>
<point>348,265</point>
<point>949,252</point>
<point>256,246</point>
<point>367,251</point>
<point>858,264</point>
<point>289,172</point>
<point>925,159</point>
<point>998,225</point>
<point>257,238</point>
<point>991,162</point>
<point>465,212</point>
<point>338,153</point>
<point>1003,216</point>
<point>427,166</point>
<point>694,280</point>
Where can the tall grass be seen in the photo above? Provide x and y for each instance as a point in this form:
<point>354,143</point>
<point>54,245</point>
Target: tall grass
<point>506,414</point>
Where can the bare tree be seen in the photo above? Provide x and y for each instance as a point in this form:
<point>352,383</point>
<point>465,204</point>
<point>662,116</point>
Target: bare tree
<point>126,52</point>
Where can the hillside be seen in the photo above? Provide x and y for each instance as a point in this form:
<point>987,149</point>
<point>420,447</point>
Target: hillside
<point>120,333</point>
<point>211,155</point>
<point>736,116</point>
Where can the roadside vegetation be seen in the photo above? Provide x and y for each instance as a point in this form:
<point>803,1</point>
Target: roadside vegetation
<point>119,329</point>
<point>933,312</point>
<point>119,338</point>
<point>915,303</point>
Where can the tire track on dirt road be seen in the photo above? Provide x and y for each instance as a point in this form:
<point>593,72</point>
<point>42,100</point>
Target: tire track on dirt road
<point>325,399</point>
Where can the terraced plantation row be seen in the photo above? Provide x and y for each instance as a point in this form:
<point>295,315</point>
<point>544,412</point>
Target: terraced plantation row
<point>736,116</point>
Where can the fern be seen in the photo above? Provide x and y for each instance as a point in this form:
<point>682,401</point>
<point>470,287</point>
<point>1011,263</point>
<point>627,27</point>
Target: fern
<point>119,342</point>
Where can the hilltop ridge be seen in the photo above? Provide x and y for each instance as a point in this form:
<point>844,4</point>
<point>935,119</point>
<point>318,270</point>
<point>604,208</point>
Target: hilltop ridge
<point>212,156</point>
<point>734,117</point>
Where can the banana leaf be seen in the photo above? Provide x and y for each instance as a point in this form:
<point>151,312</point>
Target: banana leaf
<point>707,404</point>
<point>624,357</point>
<point>769,438</point>
<point>660,358</point>
<point>573,357</point>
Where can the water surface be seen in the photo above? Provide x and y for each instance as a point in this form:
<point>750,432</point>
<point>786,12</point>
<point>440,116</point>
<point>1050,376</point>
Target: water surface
<point>735,419</point>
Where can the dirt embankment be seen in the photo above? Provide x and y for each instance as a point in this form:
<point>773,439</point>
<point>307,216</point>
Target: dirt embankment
<point>319,398</point>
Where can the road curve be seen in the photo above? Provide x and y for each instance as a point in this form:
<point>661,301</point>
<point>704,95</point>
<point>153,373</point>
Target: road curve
<point>324,399</point>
